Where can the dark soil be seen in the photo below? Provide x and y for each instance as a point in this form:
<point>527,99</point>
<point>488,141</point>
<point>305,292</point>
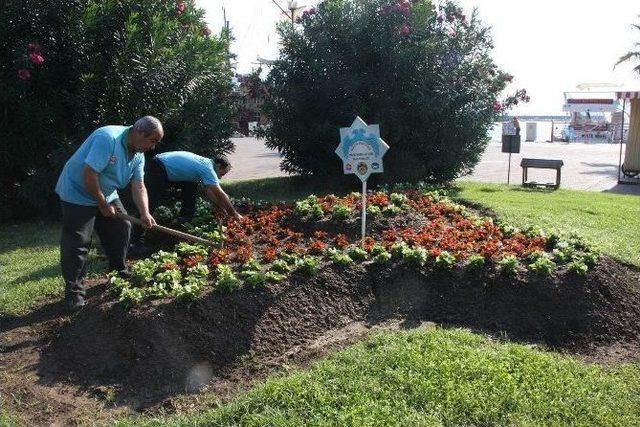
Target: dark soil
<point>105,359</point>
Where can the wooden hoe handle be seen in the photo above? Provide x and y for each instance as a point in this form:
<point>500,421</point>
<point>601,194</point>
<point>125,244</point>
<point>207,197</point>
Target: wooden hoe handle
<point>170,231</point>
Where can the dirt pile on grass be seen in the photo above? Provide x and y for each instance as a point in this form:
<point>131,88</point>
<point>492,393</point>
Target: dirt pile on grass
<point>159,349</point>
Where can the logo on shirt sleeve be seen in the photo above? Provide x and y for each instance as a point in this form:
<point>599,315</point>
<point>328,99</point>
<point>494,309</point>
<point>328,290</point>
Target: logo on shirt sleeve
<point>113,160</point>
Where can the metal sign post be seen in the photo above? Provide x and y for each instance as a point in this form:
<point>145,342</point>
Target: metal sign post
<point>361,150</point>
<point>510,143</point>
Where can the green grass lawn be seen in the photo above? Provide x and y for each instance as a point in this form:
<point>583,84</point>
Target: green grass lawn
<point>609,221</point>
<point>434,378</point>
<point>29,266</point>
<point>410,378</point>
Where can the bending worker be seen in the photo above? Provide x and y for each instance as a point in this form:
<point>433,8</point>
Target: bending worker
<point>107,160</point>
<point>184,170</point>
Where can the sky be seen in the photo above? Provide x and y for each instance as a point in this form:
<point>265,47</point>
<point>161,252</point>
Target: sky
<point>549,46</point>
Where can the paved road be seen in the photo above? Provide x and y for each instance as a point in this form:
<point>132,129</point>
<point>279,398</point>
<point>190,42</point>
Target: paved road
<point>590,167</point>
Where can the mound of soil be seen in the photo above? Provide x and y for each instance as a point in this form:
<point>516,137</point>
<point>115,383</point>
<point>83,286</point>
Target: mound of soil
<point>165,348</point>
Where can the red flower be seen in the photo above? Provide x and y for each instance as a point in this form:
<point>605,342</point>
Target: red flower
<point>316,247</point>
<point>24,74</point>
<point>36,58</point>
<point>497,107</point>
<point>206,31</point>
<point>192,260</point>
<point>33,48</point>
<point>269,254</point>
<point>180,8</point>
<point>405,29</point>
<point>341,241</point>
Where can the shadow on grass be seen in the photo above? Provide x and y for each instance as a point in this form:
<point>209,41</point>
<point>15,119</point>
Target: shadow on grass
<point>287,189</point>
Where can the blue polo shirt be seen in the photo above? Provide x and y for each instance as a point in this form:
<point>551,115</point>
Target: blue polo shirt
<point>185,166</point>
<point>105,151</point>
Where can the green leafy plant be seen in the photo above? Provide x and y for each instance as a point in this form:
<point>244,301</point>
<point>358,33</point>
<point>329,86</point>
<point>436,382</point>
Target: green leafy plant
<point>273,277</point>
<point>445,260</point>
<point>543,265</point>
<point>373,210</point>
<point>392,210</point>
<point>340,257</point>
<point>185,249</point>
<point>398,199</point>
<point>131,296</point>
<point>281,266</point>
<point>226,280</point>
<point>187,292</point>
<point>142,271</point>
<point>398,250</point>
<point>382,257</point>
<point>341,212</point>
<point>357,254</point>
<point>509,265</point>
<point>415,256</point>
<point>308,265</point>
<point>578,267</point>
<point>117,284</point>
<point>475,262</point>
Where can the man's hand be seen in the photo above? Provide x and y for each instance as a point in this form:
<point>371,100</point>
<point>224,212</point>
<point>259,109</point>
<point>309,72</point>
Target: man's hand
<point>148,220</point>
<point>107,210</point>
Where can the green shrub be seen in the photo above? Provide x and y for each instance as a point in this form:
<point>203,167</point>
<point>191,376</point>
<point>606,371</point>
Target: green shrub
<point>429,82</point>
<point>105,62</point>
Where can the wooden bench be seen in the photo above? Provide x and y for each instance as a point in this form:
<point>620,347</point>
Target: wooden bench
<point>540,164</point>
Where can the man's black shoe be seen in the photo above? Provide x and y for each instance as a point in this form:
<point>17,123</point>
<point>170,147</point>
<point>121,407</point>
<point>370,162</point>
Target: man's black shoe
<point>74,303</point>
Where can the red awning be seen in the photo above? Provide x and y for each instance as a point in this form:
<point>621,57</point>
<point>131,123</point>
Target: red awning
<point>628,95</point>
<point>589,101</point>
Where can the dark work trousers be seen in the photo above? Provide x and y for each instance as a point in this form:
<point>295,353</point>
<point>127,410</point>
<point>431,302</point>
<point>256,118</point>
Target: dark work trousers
<point>78,223</point>
<point>158,185</point>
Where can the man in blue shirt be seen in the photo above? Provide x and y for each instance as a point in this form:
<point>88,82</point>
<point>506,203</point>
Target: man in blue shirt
<point>184,170</point>
<point>107,160</point>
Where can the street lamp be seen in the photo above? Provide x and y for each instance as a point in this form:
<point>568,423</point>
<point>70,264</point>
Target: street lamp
<point>292,6</point>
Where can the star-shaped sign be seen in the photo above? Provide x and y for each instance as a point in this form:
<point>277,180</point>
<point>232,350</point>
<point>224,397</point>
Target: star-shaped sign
<point>361,149</point>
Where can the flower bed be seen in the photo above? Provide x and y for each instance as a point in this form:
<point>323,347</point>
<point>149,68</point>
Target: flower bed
<point>424,230</point>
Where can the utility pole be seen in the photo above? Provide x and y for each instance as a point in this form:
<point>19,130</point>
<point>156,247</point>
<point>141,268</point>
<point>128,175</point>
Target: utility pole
<point>292,6</point>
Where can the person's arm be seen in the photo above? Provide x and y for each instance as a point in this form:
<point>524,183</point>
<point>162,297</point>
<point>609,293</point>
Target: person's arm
<point>92,183</point>
<point>216,194</point>
<point>141,199</point>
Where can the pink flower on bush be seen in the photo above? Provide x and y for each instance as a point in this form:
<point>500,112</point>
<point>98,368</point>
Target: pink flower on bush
<point>497,107</point>
<point>33,48</point>
<point>36,58</point>
<point>24,74</point>
<point>206,31</point>
<point>405,29</point>
<point>180,8</point>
